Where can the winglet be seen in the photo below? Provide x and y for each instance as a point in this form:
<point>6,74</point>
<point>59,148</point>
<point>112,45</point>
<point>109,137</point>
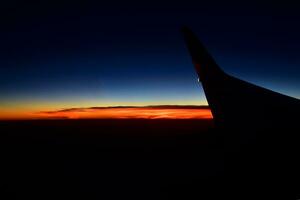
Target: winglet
<point>209,73</point>
<point>206,67</point>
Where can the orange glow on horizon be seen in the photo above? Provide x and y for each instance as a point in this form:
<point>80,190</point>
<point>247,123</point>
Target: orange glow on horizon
<point>128,113</point>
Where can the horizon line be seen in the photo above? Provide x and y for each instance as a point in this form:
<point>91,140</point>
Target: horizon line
<point>163,106</point>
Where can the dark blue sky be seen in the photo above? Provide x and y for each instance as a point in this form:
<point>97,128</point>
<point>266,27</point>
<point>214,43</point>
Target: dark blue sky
<point>61,54</point>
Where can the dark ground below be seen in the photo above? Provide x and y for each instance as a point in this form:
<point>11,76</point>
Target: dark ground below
<point>120,159</point>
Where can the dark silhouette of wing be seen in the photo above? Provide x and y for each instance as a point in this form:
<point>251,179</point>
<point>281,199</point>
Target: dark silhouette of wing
<point>236,104</point>
<point>259,128</point>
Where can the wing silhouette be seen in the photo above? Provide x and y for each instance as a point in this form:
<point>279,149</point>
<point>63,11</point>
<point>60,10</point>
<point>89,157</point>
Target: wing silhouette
<point>237,104</point>
<point>259,127</point>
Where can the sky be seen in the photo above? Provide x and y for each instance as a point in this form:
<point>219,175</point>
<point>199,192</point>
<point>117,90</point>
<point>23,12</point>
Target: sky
<point>64,54</point>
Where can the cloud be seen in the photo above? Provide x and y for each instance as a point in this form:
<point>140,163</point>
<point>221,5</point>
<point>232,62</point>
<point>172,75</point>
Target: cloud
<point>131,112</point>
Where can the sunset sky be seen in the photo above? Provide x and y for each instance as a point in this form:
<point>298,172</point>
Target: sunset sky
<point>146,112</point>
<point>56,56</point>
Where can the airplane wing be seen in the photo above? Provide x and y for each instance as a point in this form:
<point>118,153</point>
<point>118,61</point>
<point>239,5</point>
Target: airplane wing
<point>259,128</point>
<point>237,104</point>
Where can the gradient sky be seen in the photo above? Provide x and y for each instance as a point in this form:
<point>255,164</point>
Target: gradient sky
<point>66,54</point>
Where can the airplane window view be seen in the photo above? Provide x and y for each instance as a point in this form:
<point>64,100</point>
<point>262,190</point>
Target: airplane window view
<point>149,100</point>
